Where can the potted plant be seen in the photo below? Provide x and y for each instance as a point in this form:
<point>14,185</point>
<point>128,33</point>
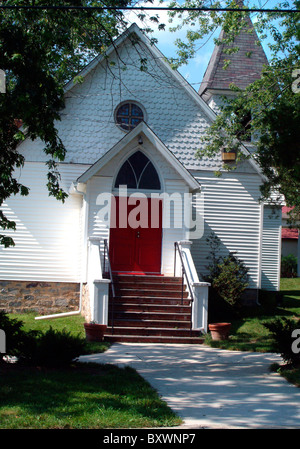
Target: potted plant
<point>94,331</point>
<point>219,331</point>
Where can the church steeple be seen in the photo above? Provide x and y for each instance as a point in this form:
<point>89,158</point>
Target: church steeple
<point>245,66</point>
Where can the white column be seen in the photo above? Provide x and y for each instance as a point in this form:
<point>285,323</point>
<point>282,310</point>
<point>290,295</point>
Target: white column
<point>200,306</point>
<point>101,301</point>
<point>98,286</point>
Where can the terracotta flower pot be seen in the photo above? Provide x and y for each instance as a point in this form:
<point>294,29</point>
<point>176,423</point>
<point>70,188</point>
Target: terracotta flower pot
<point>219,331</point>
<point>94,332</point>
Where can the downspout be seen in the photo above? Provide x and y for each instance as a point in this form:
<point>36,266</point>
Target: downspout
<point>260,249</point>
<point>74,312</point>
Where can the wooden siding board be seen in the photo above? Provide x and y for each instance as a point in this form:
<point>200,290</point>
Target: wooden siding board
<point>271,243</point>
<point>48,246</point>
<point>232,211</point>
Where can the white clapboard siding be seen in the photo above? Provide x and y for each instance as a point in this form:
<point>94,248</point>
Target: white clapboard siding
<point>173,225</point>
<point>271,245</point>
<point>47,239</point>
<point>231,211</point>
<point>97,228</point>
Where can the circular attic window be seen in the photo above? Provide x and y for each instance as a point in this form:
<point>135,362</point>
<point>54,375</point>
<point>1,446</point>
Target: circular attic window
<point>128,115</point>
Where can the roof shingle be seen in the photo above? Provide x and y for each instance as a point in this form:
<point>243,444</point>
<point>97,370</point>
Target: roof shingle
<point>245,65</point>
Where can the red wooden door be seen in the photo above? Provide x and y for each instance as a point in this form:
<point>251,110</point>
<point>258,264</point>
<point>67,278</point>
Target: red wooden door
<point>136,235</point>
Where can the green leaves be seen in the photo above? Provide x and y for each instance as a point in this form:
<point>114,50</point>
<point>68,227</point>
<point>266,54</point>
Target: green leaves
<point>274,124</point>
<point>40,50</point>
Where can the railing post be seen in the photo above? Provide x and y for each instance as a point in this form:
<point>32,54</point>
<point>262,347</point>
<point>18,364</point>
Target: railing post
<point>112,285</point>
<point>182,282</point>
<point>175,248</point>
<point>104,256</point>
<point>198,290</point>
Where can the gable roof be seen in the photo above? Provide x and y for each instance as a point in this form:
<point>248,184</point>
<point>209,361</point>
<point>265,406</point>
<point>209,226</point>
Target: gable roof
<point>158,55</point>
<point>245,65</point>
<point>139,130</point>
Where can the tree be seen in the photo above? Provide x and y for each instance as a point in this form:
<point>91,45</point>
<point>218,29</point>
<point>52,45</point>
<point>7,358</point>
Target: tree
<point>39,51</point>
<point>273,100</point>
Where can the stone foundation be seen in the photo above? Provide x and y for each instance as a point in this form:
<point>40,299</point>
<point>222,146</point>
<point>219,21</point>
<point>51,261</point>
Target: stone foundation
<point>86,309</point>
<point>44,298</point>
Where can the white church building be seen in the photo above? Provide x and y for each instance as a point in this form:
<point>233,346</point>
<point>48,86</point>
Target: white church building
<point>141,204</point>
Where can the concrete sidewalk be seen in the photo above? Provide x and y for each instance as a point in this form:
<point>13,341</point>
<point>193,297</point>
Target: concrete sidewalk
<point>212,388</point>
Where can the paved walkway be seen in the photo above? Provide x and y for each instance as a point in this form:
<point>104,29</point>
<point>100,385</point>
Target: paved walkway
<point>212,388</point>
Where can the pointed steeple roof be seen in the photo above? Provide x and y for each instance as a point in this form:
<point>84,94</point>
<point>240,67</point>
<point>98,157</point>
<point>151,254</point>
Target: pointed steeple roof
<point>245,66</point>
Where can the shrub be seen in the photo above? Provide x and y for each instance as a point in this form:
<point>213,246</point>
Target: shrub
<point>289,266</point>
<point>18,341</point>
<point>282,330</point>
<point>231,279</point>
<point>56,348</point>
<point>50,348</point>
<point>227,274</point>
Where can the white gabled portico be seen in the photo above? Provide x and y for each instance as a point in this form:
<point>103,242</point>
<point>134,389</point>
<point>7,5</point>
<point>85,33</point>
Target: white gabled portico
<point>138,182</point>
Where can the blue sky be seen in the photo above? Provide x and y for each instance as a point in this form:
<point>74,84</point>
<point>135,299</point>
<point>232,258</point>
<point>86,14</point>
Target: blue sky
<point>196,67</point>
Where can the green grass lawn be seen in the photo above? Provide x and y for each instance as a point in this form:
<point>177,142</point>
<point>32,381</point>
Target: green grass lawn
<point>83,396</point>
<point>80,396</point>
<point>72,323</point>
<point>248,332</point>
<point>105,396</point>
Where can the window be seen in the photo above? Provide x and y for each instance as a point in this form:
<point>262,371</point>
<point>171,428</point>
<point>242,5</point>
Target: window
<point>138,172</point>
<point>128,116</point>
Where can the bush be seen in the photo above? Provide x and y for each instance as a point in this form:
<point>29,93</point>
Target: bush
<point>51,348</point>
<point>282,330</point>
<point>227,274</point>
<point>231,279</point>
<point>289,266</point>
<point>56,348</point>
<point>18,341</point>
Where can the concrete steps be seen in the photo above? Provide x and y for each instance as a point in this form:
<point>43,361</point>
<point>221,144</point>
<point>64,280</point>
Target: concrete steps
<point>150,309</point>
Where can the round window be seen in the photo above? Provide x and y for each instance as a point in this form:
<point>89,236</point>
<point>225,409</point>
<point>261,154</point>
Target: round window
<point>128,116</point>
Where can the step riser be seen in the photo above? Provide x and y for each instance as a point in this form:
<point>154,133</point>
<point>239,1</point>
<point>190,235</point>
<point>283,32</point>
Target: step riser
<point>150,316</point>
<point>142,339</point>
<point>149,308</point>
<point>159,301</point>
<point>151,332</point>
<point>151,324</point>
<point>152,293</point>
<point>145,286</point>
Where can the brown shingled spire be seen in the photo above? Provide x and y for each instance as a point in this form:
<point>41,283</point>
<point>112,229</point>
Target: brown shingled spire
<point>245,66</point>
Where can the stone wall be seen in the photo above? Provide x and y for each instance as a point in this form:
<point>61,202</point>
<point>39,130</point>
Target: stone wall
<point>44,298</point>
<point>86,309</point>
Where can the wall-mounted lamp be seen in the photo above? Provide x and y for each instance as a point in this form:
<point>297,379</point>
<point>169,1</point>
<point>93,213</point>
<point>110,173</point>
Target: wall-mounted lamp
<point>140,140</point>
